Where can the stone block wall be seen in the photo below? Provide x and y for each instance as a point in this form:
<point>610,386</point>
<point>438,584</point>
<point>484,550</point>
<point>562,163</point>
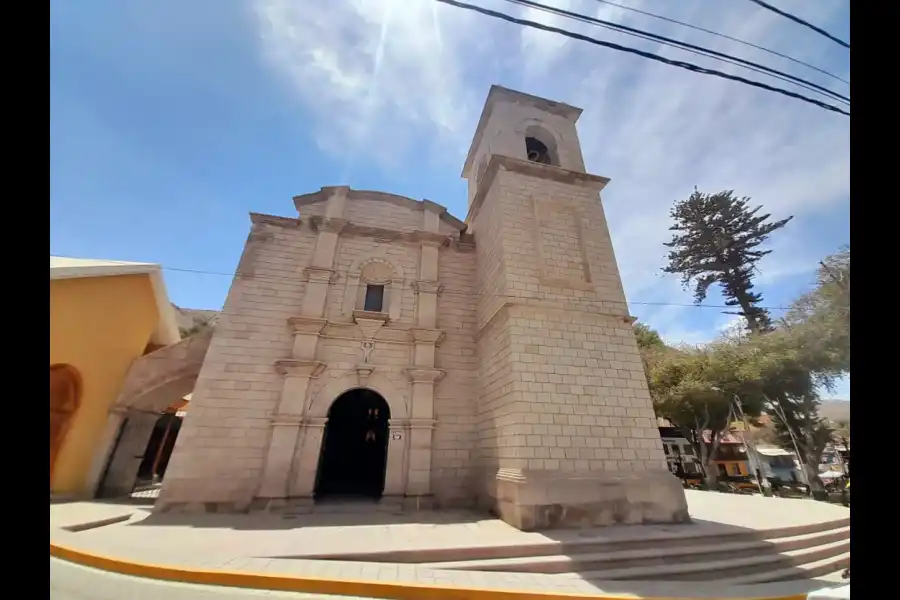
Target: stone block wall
<point>222,445</point>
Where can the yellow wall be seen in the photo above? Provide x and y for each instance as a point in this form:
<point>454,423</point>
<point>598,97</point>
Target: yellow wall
<point>98,325</point>
<point>731,464</point>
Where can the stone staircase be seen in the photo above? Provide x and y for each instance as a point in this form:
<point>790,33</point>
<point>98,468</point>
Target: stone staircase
<point>734,556</point>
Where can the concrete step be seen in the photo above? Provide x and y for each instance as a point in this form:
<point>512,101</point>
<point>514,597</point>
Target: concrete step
<point>712,570</point>
<point>681,536</point>
<point>830,567</point>
<point>645,557</point>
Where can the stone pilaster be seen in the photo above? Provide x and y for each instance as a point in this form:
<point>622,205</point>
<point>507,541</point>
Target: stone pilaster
<point>304,480</point>
<point>306,332</point>
<point>426,342</point>
<point>421,429</point>
<point>395,474</point>
<point>320,273</point>
<point>286,424</point>
<point>426,305</point>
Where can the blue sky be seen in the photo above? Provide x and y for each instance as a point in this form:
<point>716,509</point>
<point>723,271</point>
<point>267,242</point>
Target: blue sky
<point>170,121</point>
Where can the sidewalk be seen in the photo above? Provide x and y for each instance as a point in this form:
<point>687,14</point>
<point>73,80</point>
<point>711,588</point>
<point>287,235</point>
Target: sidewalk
<point>262,544</point>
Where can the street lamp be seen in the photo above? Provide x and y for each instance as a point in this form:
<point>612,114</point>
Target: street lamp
<point>740,408</point>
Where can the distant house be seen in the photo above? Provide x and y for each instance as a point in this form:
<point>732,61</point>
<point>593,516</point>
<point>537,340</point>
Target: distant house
<point>731,458</point>
<point>777,463</point>
<point>680,455</point>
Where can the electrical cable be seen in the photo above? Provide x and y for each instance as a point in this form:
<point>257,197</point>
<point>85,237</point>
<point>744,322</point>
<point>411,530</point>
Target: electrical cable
<point>675,63</point>
<point>445,289</point>
<point>724,36</point>
<point>797,19</point>
<point>684,46</point>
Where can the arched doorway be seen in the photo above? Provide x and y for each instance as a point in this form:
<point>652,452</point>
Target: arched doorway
<point>354,449</point>
<point>65,398</point>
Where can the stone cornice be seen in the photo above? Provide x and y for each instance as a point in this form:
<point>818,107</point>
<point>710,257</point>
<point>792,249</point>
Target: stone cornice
<point>329,224</point>
<point>290,367</point>
<point>427,336</point>
<point>306,325</point>
<point>424,374</point>
<point>433,287</point>
<point>526,167</point>
<point>259,218</point>
<point>392,235</point>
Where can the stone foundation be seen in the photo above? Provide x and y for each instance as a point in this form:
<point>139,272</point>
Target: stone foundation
<point>551,500</point>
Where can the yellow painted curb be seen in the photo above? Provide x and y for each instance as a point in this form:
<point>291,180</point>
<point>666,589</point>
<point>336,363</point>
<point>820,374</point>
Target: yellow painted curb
<point>315,585</point>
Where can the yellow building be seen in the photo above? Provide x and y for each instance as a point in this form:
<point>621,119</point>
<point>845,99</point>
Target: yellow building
<point>103,316</point>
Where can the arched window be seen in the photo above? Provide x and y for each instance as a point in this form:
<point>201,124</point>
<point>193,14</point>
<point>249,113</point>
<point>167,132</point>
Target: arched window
<point>540,146</point>
<point>374,290</point>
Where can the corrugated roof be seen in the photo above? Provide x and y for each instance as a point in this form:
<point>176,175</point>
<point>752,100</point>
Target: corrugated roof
<point>62,267</point>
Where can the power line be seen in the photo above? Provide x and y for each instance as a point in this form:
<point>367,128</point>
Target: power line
<point>759,68</point>
<point>449,290</point>
<point>797,19</point>
<point>648,55</point>
<point>724,36</point>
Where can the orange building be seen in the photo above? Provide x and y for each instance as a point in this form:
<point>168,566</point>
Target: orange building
<point>104,315</point>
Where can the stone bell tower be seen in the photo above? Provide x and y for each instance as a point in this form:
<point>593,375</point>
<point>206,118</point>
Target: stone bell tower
<point>567,432</point>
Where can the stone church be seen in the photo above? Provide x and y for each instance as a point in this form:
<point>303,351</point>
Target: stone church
<point>375,346</point>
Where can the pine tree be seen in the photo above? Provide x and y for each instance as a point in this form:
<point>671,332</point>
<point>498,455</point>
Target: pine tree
<point>716,239</point>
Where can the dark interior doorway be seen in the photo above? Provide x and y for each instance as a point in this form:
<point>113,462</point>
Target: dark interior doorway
<point>354,448</point>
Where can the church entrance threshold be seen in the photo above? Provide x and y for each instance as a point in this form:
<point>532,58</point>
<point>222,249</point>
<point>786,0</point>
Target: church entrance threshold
<point>354,449</point>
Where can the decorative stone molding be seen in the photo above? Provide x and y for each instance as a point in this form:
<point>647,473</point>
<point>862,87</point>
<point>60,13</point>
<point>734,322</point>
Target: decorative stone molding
<point>285,420</point>
<point>428,336</point>
<point>366,316</point>
<point>424,375</point>
<point>362,372</point>
<point>328,224</point>
<point>412,423</point>
<point>315,421</point>
<point>320,274</point>
<point>259,218</point>
<point>433,287</point>
<point>630,320</point>
<point>306,325</point>
<point>526,167</point>
<point>299,368</point>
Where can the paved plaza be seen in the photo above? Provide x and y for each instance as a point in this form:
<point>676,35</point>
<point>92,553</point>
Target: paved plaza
<point>277,544</point>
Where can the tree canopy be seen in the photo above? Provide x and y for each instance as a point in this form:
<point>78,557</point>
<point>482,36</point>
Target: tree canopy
<point>716,239</point>
<point>778,371</point>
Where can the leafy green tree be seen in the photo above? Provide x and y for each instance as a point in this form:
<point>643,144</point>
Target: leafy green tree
<point>716,239</point>
<point>824,312</point>
<point>695,388</point>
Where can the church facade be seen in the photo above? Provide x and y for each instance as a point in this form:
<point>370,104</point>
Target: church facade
<point>376,346</point>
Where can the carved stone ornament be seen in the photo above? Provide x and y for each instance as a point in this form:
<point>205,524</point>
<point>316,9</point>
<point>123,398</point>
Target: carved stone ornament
<point>423,286</point>
<point>425,375</point>
<point>290,367</point>
<point>306,325</point>
<point>363,372</point>
<point>329,224</point>
<point>427,336</point>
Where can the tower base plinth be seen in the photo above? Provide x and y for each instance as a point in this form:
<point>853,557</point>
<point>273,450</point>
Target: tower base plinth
<point>538,500</point>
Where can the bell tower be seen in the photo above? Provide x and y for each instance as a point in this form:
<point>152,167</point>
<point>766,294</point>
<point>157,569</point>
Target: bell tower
<point>567,432</point>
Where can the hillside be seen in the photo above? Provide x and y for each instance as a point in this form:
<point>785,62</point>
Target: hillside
<point>835,410</point>
<point>190,317</point>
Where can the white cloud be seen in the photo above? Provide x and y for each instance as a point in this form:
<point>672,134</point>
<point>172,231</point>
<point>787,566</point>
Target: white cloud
<point>655,130</point>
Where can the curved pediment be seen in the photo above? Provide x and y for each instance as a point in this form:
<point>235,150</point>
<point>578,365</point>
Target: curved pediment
<point>399,212</point>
